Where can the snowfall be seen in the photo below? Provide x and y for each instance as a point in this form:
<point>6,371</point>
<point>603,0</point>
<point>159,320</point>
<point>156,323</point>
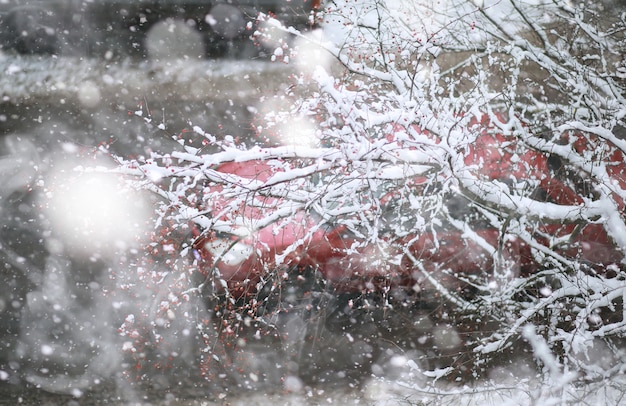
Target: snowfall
<point>57,115</point>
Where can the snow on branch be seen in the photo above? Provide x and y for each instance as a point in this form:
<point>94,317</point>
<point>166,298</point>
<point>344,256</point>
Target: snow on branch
<point>475,151</point>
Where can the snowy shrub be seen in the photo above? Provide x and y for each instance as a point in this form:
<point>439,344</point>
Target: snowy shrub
<point>464,169</point>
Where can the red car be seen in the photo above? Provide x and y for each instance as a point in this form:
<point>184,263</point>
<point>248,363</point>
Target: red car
<point>457,248</point>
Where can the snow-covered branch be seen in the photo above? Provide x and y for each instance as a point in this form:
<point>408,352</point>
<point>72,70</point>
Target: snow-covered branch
<point>476,152</point>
